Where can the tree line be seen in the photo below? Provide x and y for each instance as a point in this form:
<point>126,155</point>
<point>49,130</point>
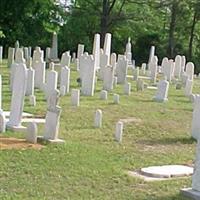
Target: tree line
<point>171,25</point>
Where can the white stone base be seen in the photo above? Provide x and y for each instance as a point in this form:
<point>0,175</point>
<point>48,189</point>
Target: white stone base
<point>160,100</point>
<point>56,141</point>
<point>190,193</point>
<point>17,128</point>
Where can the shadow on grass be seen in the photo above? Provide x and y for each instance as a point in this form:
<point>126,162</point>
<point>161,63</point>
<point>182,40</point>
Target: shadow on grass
<point>168,141</point>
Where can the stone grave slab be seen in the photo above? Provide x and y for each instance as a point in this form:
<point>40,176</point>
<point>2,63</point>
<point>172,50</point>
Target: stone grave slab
<point>190,193</point>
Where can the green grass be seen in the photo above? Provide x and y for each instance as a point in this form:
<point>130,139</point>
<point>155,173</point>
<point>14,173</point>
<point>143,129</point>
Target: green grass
<point>91,165</point>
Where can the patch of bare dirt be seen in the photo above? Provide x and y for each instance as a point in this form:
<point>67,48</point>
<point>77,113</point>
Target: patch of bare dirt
<point>14,143</point>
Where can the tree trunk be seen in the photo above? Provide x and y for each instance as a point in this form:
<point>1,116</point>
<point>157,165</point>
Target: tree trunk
<point>172,29</point>
<point>192,35</point>
<point>104,20</point>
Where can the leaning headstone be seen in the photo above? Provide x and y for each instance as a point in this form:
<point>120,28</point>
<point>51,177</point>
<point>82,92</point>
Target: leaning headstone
<point>2,122</point>
<point>75,97</point>
<point>51,83</point>
<point>121,69</point>
<point>116,98</point>
<point>195,118</point>
<point>18,94</point>
<point>87,73</point>
<point>119,131</point>
<point>98,119</point>
<point>188,88</point>
<point>108,78</point>
<point>65,79</point>
<point>52,121</point>
<point>127,88</point>
<point>162,91</point>
<point>104,95</point>
<point>96,51</point>
<point>31,135</point>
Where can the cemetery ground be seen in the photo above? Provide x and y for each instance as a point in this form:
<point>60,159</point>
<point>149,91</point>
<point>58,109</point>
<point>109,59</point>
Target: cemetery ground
<point>91,164</point>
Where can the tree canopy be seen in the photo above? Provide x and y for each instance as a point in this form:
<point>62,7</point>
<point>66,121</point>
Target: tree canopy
<point>171,25</point>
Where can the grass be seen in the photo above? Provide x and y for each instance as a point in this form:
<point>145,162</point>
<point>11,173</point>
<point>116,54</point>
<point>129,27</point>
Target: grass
<point>91,165</point>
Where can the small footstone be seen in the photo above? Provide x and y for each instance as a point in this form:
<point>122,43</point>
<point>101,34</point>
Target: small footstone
<point>31,135</point>
<point>104,95</point>
<point>119,131</point>
<point>116,98</point>
<point>98,119</point>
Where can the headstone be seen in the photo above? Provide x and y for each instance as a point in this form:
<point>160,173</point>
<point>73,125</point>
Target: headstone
<point>1,54</point>
<point>116,99</point>
<point>143,68</point>
<point>80,52</point>
<point>178,67</point>
<point>2,122</point>
<point>183,63</point>
<point>168,70</point>
<point>65,59</point>
<point>151,54</point>
<point>31,135</point>
<point>51,83</point>
<point>98,119</point>
<point>29,51</point>
<point>32,100</point>
<point>30,82</point>
<point>0,92</point>
<point>140,85</point>
<point>103,95</point>
<point>153,67</point>
<point>75,97</point>
<point>26,54</point>
<point>119,131</point>
<point>96,51</point>
<point>162,92</point>
<point>104,61</point>
<point>113,61</point>
<point>11,56</point>
<point>87,74</point>
<point>114,81</point>
<point>121,70</point>
<point>73,57</point>
<point>48,54</point>
<point>54,48</point>
<point>52,122</point>
<point>128,52</point>
<point>136,73</point>
<point>190,70</point>
<point>39,66</point>
<point>65,79</point>
<point>164,65</point>
<point>127,88</point>
<point>107,46</point>
<point>195,118</point>
<point>188,88</point>
<point>108,78</point>
<point>18,94</point>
